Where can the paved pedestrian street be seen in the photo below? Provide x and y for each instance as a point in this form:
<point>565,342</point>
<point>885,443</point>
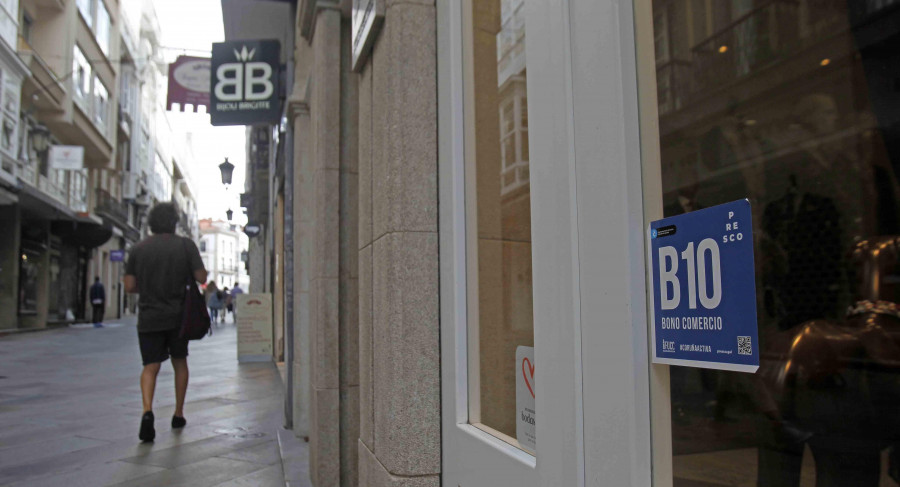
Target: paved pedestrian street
<point>70,407</point>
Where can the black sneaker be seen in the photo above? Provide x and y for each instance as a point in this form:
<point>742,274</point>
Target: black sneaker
<point>178,422</point>
<point>148,432</point>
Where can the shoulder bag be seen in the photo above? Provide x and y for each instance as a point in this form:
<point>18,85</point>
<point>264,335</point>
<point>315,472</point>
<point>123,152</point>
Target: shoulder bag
<point>195,323</point>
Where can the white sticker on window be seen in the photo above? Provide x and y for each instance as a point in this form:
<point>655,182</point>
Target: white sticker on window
<point>525,416</point>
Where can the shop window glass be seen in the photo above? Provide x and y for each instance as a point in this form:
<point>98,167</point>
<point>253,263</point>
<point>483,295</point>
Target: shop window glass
<point>29,276</point>
<point>498,213</point>
<point>792,105</point>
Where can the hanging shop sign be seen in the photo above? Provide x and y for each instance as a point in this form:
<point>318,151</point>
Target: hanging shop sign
<point>525,415</point>
<point>66,157</point>
<point>244,83</point>
<point>252,230</point>
<point>188,83</point>
<point>367,18</point>
<point>704,289</point>
<point>117,256</point>
<point>253,313</point>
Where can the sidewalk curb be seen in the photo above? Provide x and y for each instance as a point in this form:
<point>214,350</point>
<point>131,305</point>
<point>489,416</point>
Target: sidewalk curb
<point>123,321</point>
<point>294,454</point>
<point>19,331</point>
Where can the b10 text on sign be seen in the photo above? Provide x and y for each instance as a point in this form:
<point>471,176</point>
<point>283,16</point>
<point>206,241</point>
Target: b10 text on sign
<point>704,289</point>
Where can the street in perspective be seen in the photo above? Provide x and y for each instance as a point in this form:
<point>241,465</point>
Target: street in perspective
<point>460,243</point>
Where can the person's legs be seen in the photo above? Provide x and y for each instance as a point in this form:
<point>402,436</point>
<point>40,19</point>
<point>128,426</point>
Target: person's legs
<point>95,316</point>
<point>178,349</point>
<point>153,353</point>
<point>181,382</point>
<point>148,384</point>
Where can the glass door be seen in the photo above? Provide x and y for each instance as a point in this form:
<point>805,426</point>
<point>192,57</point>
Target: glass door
<point>509,379</point>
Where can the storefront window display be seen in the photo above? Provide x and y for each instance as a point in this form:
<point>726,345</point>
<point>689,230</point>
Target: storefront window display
<point>499,212</point>
<point>792,105</point>
<point>29,270</point>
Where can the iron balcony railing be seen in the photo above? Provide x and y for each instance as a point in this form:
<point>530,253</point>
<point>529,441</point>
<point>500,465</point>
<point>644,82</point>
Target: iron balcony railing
<point>765,35</point>
<point>110,207</point>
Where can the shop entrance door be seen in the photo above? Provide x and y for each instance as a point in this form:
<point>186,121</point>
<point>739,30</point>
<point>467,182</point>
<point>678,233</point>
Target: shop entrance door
<point>511,330</point>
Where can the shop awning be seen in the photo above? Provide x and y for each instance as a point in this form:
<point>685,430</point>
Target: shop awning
<point>83,232</point>
<point>72,228</point>
<point>38,204</point>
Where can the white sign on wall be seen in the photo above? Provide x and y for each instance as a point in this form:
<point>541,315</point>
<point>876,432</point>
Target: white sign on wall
<point>254,327</point>
<point>525,414</point>
<point>66,157</point>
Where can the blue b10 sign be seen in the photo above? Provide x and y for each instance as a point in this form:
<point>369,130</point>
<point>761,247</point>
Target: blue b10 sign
<point>704,289</point>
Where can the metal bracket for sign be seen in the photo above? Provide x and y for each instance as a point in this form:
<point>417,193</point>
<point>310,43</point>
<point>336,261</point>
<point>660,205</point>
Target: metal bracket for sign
<point>368,16</point>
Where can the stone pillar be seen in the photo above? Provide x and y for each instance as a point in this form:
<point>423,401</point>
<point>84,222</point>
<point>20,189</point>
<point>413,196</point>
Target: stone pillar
<point>325,459</point>
<point>400,415</point>
<point>302,243</point>
<point>10,220</point>
<point>349,265</point>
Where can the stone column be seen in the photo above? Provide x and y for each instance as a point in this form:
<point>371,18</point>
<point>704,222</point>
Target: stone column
<point>349,265</point>
<point>302,243</point>
<point>400,415</point>
<point>325,114</point>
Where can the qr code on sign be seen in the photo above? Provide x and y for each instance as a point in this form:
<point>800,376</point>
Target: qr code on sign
<point>744,347</point>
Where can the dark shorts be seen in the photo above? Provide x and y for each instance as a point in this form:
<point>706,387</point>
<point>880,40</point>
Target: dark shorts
<point>158,346</point>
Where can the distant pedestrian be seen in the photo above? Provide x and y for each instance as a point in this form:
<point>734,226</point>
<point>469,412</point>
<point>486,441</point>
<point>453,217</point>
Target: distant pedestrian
<point>228,304</point>
<point>214,301</point>
<point>235,291</point>
<point>159,268</point>
<point>98,301</point>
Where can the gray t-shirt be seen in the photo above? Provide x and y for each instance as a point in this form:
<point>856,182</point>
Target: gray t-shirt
<point>161,264</point>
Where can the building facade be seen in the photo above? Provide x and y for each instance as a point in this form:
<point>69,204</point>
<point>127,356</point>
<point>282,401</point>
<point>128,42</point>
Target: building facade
<point>422,232</point>
<point>222,246</point>
<point>73,76</point>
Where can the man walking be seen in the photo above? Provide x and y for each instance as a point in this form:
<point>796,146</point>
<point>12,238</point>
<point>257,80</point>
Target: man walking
<point>98,301</point>
<point>159,268</point>
<point>235,291</point>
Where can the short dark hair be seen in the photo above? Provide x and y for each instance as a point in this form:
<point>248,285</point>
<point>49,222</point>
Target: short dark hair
<point>163,218</point>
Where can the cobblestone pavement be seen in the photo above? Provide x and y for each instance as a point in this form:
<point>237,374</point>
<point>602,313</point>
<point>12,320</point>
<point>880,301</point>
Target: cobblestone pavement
<point>70,407</point>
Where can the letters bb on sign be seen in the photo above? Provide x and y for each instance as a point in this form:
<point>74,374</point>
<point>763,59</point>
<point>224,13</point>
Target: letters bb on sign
<point>244,83</point>
<point>704,289</point>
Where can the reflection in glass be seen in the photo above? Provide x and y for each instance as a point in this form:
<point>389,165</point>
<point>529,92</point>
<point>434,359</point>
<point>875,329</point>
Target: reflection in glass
<point>499,212</point>
<point>794,105</point>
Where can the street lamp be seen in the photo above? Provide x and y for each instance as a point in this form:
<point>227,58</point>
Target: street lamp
<point>40,139</point>
<point>228,214</point>
<point>226,168</point>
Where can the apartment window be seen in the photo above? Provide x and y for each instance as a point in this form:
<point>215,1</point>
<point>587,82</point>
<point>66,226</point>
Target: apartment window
<point>85,8</point>
<point>203,246</point>
<point>102,28</point>
<point>81,75</point>
<point>27,26</point>
<point>101,103</point>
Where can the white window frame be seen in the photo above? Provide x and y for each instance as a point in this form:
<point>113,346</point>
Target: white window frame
<point>588,178</point>
<point>471,456</point>
<point>81,82</point>
<point>103,27</point>
<point>101,104</point>
<point>86,10</point>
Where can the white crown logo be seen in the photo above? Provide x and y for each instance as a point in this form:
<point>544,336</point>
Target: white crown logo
<point>243,55</point>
